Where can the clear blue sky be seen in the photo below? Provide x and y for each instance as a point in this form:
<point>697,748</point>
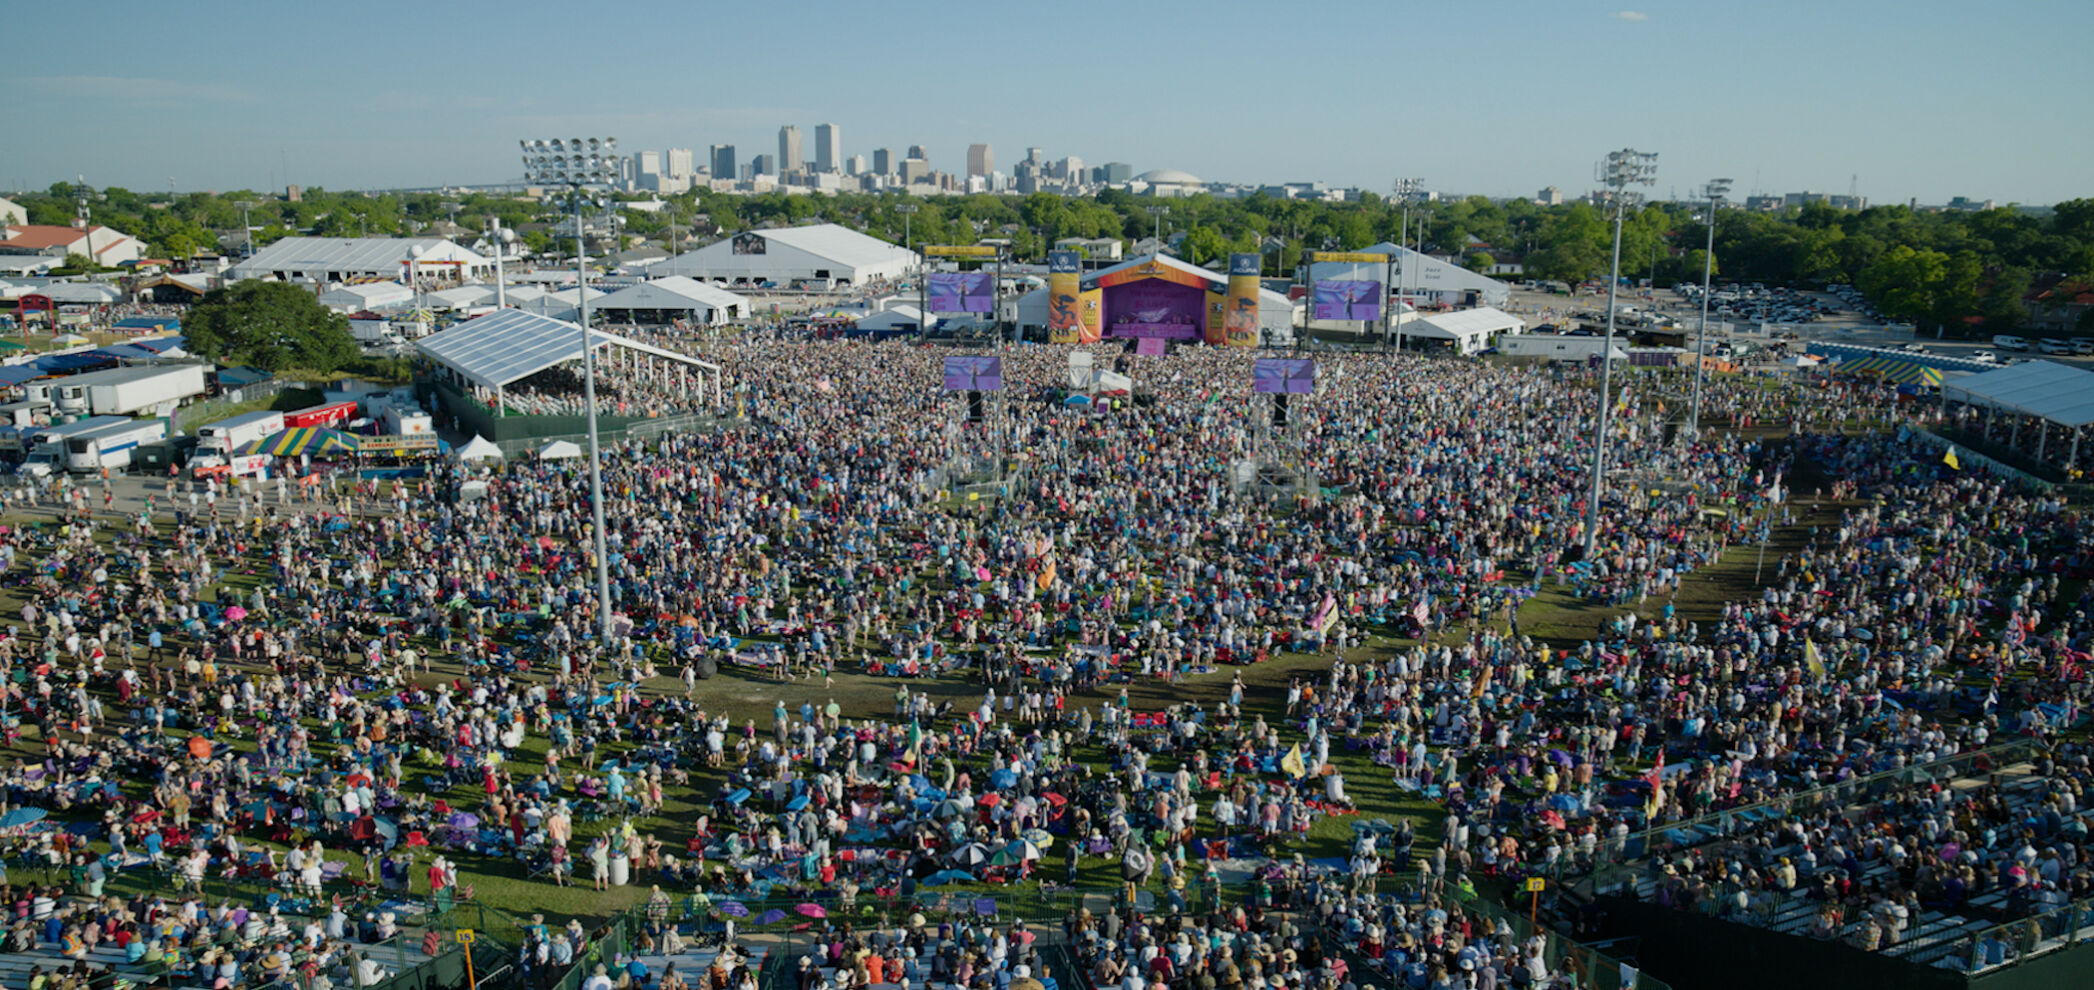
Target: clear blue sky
<point>1919,99</point>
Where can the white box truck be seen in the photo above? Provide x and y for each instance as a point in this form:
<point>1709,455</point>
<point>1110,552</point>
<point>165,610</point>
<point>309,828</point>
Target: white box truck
<point>120,391</point>
<point>130,391</point>
<point>111,448</point>
<point>46,445</point>
<point>220,439</point>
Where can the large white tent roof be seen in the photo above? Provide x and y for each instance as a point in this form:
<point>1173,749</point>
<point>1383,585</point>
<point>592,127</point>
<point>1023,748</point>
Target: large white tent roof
<point>1481,320</point>
<point>836,243</point>
<point>2044,389</point>
<point>350,254</point>
<point>502,347</point>
<point>673,292</point>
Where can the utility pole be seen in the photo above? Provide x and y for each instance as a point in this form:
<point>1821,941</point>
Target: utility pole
<point>1714,192</point>
<point>1157,212</point>
<point>1621,169</point>
<point>908,212</point>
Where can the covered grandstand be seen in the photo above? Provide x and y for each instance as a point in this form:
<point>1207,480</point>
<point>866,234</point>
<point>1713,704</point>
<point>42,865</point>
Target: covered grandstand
<point>2040,408</point>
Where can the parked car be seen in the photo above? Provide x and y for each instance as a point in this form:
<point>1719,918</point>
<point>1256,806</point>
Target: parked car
<point>2083,345</point>
<point>1985,357</point>
<point>2010,342</point>
<point>2053,345</point>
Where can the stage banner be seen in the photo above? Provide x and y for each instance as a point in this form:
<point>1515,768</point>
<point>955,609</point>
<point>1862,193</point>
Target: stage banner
<point>1065,323</point>
<point>1240,324</point>
<point>961,292</point>
<point>1346,299</point>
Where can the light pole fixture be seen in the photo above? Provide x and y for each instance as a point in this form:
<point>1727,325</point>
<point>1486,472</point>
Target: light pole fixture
<point>1158,212</point>
<point>246,226</point>
<point>908,212</point>
<point>1621,170</point>
<point>1714,193</point>
<point>582,166</point>
<point>1405,190</point>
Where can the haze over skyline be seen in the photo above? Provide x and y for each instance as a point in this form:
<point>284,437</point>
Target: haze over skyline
<point>1918,100</point>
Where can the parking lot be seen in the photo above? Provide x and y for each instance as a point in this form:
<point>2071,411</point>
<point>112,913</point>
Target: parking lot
<point>1844,324</point>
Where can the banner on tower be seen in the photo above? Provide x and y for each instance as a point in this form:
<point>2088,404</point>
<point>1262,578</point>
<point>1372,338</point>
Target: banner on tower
<point>1065,323</point>
<point>1240,321</point>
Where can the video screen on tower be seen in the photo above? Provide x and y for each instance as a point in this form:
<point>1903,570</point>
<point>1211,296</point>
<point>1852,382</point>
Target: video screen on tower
<point>981,373</point>
<point>1283,376</point>
<point>1347,299</point>
<point>961,292</point>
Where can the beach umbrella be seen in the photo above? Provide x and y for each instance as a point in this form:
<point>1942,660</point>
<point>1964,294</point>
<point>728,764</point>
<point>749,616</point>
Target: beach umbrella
<point>971,854</point>
<point>948,808</point>
<point>1077,400</point>
<point>1023,849</point>
<point>1863,634</point>
<point>235,614</point>
<point>22,816</point>
<point>771,917</point>
<point>740,794</point>
<point>796,803</point>
<point>948,876</point>
<point>734,909</point>
<point>1003,778</point>
<point>1039,837</point>
<point>989,800</point>
<point>812,910</point>
<point>464,819</point>
<point>387,831</point>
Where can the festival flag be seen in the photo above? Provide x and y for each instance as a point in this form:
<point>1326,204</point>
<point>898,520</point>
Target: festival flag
<point>1292,763</point>
<point>1948,457</point>
<point>1812,660</point>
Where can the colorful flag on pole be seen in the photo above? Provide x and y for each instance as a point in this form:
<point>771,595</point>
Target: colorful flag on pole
<point>1948,457</point>
<point>1812,660</point>
<point>1292,763</point>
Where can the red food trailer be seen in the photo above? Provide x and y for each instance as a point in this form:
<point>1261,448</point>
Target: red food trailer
<point>326,414</point>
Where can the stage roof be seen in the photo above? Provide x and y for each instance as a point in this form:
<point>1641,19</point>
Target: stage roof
<point>674,293</point>
<point>1215,281</point>
<point>503,347</point>
<point>2044,389</point>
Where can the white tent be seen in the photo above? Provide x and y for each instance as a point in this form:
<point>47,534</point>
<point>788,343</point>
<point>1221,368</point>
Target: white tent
<point>480,449</point>
<point>675,297</point>
<point>559,450</point>
<point>1467,330</point>
<point>368,295</point>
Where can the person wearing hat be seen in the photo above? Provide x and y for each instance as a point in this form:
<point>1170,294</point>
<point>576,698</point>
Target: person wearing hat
<point>599,980</point>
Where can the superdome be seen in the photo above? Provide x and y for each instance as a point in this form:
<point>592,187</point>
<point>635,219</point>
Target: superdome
<point>1170,176</point>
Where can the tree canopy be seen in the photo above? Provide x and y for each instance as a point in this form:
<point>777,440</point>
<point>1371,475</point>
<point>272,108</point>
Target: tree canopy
<point>271,325</point>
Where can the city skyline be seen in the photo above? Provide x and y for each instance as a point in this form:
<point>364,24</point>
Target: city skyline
<point>1853,96</point>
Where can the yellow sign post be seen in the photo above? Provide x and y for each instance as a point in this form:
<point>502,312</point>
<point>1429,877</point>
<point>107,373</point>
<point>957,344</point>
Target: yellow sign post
<point>466,937</point>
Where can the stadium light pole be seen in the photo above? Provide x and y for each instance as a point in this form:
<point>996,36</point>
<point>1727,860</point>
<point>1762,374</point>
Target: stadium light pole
<point>1714,193</point>
<point>908,212</point>
<point>247,226</point>
<point>1406,190</point>
<point>1621,169</point>
<point>1157,212</point>
<point>582,165</point>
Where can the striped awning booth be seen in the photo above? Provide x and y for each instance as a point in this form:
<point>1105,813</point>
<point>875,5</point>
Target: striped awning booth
<point>300,440</point>
<point>1893,370</point>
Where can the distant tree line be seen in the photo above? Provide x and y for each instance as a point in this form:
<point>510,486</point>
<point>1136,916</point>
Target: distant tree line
<point>1930,267</point>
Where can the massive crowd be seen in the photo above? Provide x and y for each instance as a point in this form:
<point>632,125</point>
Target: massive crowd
<point>395,651</point>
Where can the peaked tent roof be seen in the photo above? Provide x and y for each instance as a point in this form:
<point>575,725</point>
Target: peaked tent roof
<point>673,292</point>
<point>502,347</point>
<point>479,449</point>
<point>1217,281</point>
<point>348,254</point>
<point>835,242</point>
<point>2045,389</point>
<point>1482,319</point>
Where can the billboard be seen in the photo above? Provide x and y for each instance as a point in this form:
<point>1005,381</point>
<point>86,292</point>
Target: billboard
<point>961,292</point>
<point>1347,257</point>
<point>1065,324</point>
<point>1240,320</point>
<point>1347,299</point>
<point>978,373</point>
<point>960,251</point>
<point>1283,376</point>
<point>750,243</point>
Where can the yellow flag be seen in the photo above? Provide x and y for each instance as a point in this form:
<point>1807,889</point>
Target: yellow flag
<point>1948,457</point>
<point>1812,660</point>
<point>1292,763</point>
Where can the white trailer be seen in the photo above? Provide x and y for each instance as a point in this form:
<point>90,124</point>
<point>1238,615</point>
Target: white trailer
<point>226,435</point>
<point>1558,347</point>
<point>46,445</point>
<point>111,448</point>
<point>136,390</point>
